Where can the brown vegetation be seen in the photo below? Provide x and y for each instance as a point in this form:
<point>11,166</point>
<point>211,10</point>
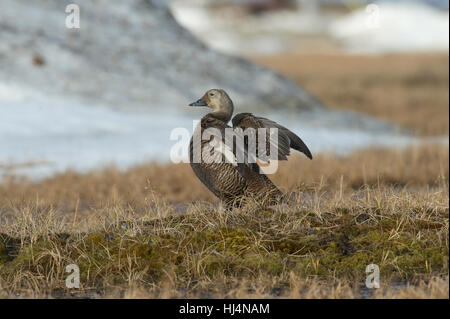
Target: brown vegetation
<point>418,167</point>
<point>410,90</point>
<point>150,231</point>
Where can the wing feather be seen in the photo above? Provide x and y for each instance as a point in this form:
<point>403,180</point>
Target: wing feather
<point>286,138</point>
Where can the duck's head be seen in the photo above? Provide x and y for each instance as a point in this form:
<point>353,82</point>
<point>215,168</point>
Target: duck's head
<point>219,101</point>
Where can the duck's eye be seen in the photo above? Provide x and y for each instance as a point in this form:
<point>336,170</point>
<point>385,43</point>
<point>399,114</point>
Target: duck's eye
<point>211,94</point>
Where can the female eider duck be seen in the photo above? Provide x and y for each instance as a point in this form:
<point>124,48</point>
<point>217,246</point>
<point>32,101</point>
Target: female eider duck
<point>229,179</point>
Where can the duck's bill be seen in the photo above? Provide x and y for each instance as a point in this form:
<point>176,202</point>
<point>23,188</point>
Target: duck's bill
<point>198,103</point>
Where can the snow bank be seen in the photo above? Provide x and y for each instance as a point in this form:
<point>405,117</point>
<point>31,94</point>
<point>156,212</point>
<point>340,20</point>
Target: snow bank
<point>393,27</point>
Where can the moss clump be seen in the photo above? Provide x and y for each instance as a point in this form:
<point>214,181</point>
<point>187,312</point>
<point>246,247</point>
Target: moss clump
<point>270,263</point>
<point>232,240</point>
<point>107,257</point>
<point>8,248</point>
<point>3,253</point>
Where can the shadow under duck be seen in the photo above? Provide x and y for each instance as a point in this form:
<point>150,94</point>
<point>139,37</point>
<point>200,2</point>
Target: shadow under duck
<point>229,179</point>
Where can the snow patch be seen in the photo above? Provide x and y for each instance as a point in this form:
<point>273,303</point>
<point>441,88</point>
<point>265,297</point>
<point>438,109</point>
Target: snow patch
<point>401,27</point>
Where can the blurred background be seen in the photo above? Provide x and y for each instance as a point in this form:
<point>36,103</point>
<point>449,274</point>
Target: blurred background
<point>343,74</point>
<point>320,26</point>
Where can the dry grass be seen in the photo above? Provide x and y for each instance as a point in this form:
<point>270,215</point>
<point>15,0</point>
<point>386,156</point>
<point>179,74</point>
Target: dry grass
<point>410,90</point>
<point>415,167</point>
<point>136,238</point>
<point>318,246</point>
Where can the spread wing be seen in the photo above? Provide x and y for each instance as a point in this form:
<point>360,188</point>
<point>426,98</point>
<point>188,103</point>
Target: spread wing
<point>285,141</point>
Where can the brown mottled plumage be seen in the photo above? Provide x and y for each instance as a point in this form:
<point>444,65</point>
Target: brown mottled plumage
<point>231,181</point>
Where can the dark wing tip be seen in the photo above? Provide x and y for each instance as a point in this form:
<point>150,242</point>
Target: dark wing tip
<point>306,151</point>
<point>298,144</point>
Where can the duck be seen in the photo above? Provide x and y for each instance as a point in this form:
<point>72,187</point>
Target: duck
<point>234,181</point>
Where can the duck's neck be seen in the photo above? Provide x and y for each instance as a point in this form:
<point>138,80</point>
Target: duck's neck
<point>221,115</point>
<point>225,111</point>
